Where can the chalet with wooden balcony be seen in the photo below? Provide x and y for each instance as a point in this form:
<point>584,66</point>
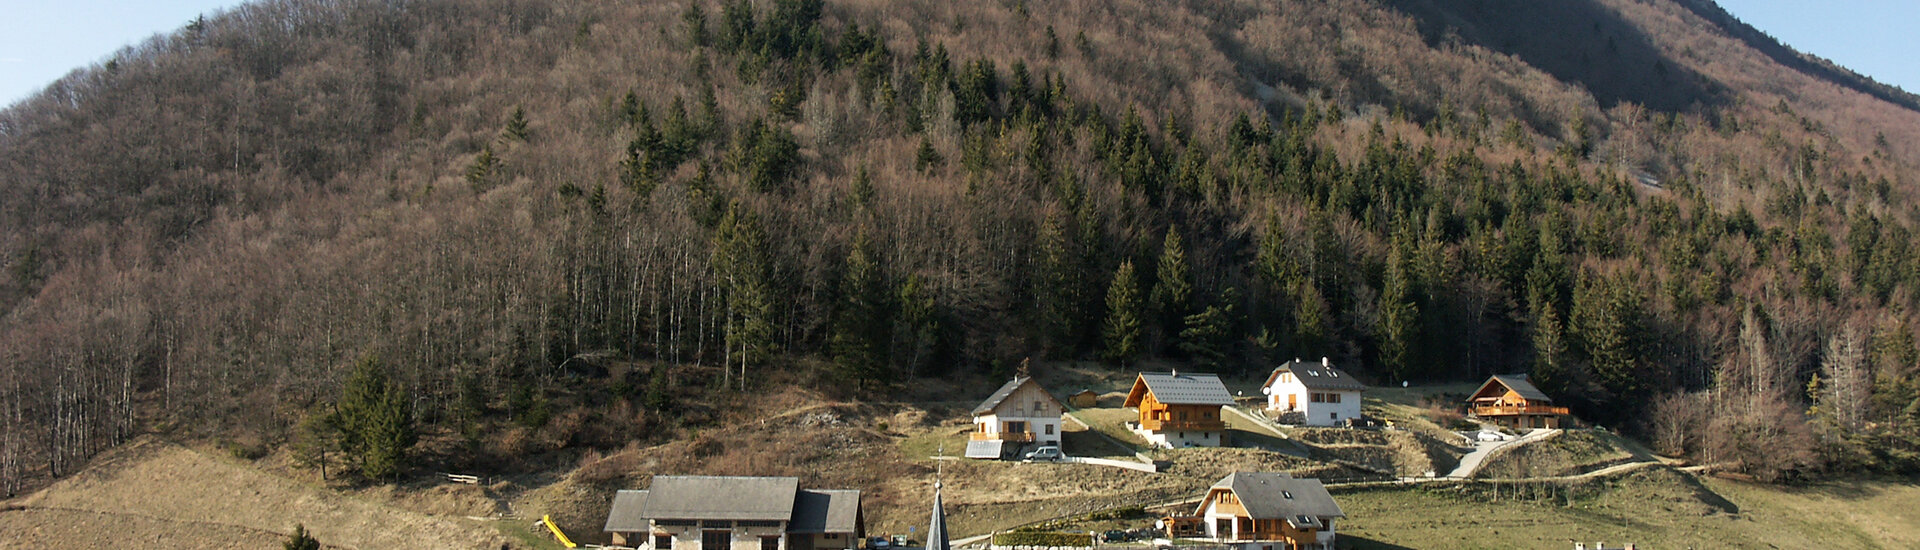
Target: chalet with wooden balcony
<point>1180,410</point>
<point>1019,413</point>
<point>1510,400</point>
<point>1314,394</point>
<point>1264,511</point>
<point>735,513</point>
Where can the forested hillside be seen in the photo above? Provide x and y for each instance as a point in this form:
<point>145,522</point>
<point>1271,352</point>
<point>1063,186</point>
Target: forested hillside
<point>1654,218</point>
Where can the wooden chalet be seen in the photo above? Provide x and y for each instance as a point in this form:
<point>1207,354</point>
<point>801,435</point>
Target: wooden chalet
<point>735,513</point>
<point>1084,399</point>
<point>1180,410</point>
<point>1510,400</point>
<point>1263,511</point>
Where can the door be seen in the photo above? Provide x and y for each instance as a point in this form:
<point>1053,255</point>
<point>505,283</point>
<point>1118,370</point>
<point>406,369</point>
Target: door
<point>716,540</point>
<point>770,543</point>
<point>1293,401</point>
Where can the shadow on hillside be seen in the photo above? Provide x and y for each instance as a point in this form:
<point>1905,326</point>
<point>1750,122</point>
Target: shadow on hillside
<point>1576,41</point>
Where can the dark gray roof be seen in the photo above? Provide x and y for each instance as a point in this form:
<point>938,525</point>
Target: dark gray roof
<point>1186,389</point>
<point>1519,384</point>
<point>937,526</point>
<point>1316,376</point>
<point>625,515</point>
<point>836,511</point>
<point>721,498</point>
<point>1006,390</point>
<point>1277,495</point>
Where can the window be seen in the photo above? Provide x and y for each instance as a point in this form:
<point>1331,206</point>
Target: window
<point>1049,429</point>
<point>1036,407</point>
<point>1183,415</point>
<point>1207,415</point>
<point>1333,416</point>
<point>1319,397</point>
<point>769,543</point>
<point>1333,398</point>
<point>662,541</point>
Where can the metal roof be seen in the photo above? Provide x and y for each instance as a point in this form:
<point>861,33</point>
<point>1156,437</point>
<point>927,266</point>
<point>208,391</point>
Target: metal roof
<point>1183,389</point>
<point>1317,376</point>
<point>1519,384</point>
<point>625,515</point>
<point>721,498</point>
<point>987,448</point>
<point>834,511</point>
<point>1278,495</point>
<point>1006,390</point>
<point>937,525</point>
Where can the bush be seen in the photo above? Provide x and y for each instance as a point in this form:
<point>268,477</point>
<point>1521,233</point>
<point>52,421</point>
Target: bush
<point>1027,538</point>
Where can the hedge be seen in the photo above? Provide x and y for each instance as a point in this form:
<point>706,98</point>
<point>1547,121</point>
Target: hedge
<point>1028,538</point>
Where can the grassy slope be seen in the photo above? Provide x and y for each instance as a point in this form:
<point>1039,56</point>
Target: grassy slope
<point>171,494</point>
<point>1658,509</point>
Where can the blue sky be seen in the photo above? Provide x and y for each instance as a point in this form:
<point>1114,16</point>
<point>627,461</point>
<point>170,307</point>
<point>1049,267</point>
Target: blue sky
<point>43,40</point>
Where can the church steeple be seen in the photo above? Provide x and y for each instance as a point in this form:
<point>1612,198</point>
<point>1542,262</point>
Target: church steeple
<point>937,527</point>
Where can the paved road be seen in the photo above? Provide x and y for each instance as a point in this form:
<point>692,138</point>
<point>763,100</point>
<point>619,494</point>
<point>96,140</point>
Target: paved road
<point>1482,449</point>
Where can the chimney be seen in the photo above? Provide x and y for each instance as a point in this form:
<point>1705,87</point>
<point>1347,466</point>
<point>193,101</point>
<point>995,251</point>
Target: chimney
<point>1324,362</point>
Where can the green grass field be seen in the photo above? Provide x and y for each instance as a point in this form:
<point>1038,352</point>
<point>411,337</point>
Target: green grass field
<point>1653,509</point>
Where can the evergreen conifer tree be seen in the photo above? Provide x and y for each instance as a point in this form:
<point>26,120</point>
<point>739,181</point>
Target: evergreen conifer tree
<point>301,539</point>
<point>1172,296</point>
<point>375,417</point>
<point>860,336</point>
<point>1123,326</point>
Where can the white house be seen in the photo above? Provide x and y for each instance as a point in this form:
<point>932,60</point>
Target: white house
<point>735,513</point>
<point>1314,395</point>
<point>1020,412</point>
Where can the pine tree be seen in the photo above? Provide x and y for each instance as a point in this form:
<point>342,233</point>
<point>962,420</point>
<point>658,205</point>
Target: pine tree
<point>1398,317</point>
<point>484,165</point>
<point>859,338</point>
<point>739,258</point>
<point>1549,369</point>
<point>1173,285</point>
<point>516,129</point>
<point>301,539</point>
<point>1606,327</point>
<point>917,326</point>
<point>1057,288</point>
<point>927,159</point>
<point>1123,326</point>
<point>375,417</point>
<point>1309,319</point>
<point>315,438</point>
<point>659,393</point>
<point>1208,335</point>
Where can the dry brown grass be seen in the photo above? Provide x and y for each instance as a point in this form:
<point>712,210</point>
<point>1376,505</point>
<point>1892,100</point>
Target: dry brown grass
<point>170,492</point>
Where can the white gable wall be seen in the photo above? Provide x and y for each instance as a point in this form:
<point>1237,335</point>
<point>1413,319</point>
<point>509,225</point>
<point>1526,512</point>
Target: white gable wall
<point>1030,404</point>
<point>1324,413</point>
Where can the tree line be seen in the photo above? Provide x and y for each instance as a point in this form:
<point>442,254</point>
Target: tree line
<point>982,211</point>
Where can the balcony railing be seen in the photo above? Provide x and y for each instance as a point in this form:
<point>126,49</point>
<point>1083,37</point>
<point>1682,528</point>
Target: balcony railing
<point>1255,536</point>
<point>1186,425</point>
<point>1023,437</point>
<point>1511,410</point>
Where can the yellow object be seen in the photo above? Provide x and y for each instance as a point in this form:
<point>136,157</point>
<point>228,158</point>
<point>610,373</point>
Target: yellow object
<point>548,519</point>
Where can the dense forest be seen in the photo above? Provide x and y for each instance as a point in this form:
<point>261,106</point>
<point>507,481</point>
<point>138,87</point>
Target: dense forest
<point>458,203</point>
